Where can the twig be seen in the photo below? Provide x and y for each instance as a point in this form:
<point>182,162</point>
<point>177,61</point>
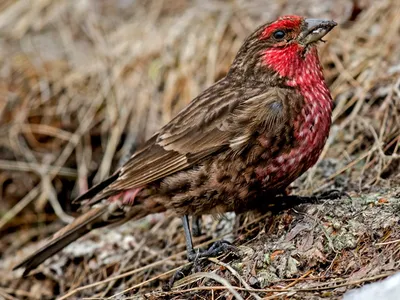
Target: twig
<point>22,166</point>
<point>49,190</point>
<point>388,242</point>
<point>17,208</point>
<point>145,282</point>
<point>294,282</point>
<point>6,295</point>
<point>321,287</point>
<point>236,274</point>
<point>218,279</point>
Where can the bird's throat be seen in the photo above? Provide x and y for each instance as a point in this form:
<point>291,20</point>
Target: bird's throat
<point>298,65</point>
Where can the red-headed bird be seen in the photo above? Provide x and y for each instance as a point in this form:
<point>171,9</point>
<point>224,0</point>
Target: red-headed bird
<point>250,134</point>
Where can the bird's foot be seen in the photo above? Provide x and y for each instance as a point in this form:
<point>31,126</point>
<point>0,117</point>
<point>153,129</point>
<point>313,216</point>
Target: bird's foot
<point>195,256</point>
<point>217,248</point>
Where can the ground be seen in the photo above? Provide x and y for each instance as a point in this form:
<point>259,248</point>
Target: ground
<point>85,82</point>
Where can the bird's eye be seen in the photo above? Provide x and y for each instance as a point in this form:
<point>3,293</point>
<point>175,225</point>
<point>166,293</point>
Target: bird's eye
<point>279,34</point>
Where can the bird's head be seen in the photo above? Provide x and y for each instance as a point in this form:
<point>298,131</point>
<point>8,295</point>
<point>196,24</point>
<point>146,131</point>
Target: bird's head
<point>284,46</point>
<point>294,31</point>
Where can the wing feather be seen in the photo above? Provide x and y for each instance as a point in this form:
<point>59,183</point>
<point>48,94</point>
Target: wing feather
<point>210,124</point>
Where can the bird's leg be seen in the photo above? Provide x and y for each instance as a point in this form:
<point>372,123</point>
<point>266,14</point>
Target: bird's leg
<point>196,226</point>
<point>216,248</point>
<point>188,238</point>
<point>191,255</point>
<point>194,255</point>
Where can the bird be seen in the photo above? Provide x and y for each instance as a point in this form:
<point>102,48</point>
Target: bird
<point>240,142</point>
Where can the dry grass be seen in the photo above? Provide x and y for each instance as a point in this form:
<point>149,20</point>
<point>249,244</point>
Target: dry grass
<point>84,82</point>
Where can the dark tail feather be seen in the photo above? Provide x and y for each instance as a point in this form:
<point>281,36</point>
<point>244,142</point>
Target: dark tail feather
<point>94,218</point>
<point>94,190</point>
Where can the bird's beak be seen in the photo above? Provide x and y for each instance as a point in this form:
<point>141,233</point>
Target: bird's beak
<point>315,29</point>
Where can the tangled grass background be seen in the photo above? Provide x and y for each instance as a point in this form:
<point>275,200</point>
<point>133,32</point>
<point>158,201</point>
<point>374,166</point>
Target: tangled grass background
<point>85,82</point>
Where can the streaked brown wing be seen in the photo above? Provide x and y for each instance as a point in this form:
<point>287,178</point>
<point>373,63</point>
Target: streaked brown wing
<point>208,125</point>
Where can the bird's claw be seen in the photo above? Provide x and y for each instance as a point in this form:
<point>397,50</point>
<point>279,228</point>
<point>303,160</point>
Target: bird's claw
<point>215,249</point>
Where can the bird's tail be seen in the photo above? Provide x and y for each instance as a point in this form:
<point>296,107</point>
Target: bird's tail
<point>94,218</point>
